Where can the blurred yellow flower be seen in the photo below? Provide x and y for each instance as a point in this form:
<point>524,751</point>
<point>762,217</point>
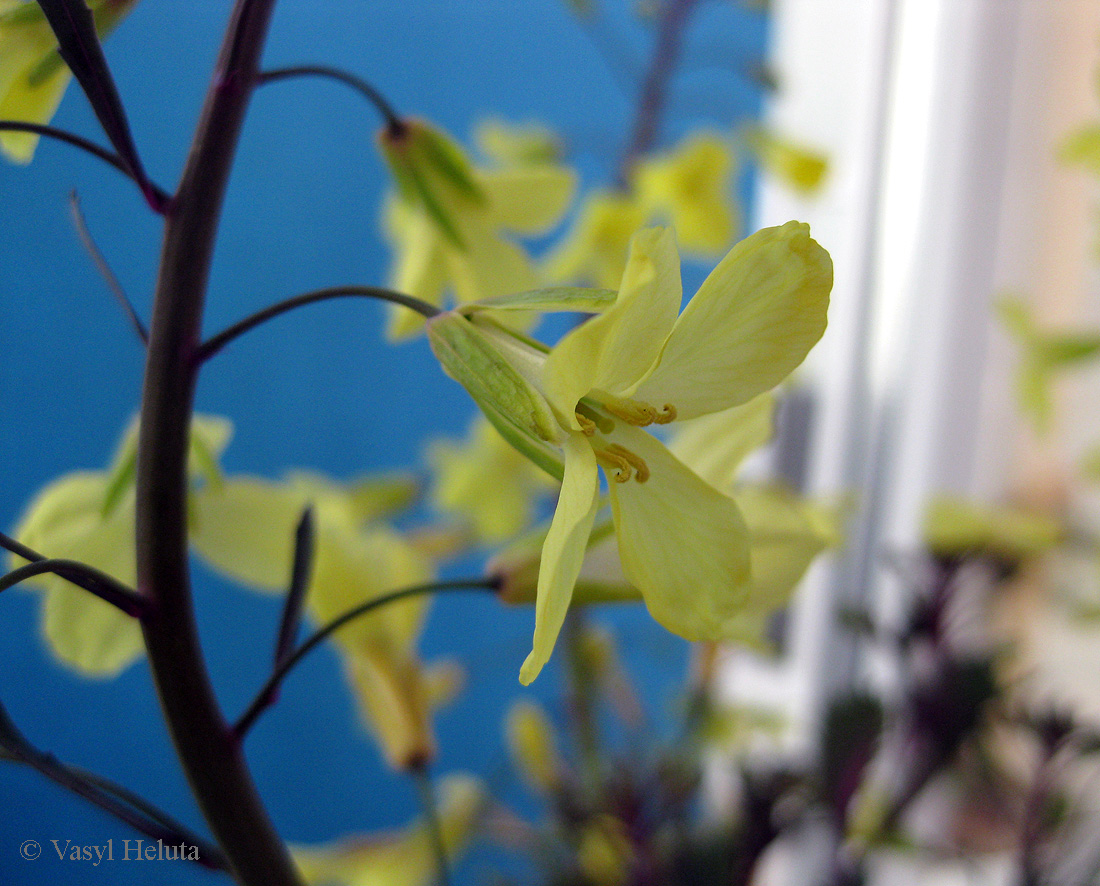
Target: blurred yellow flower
<point>691,187</point>
<point>451,225</point>
<point>89,516</point>
<point>401,858</point>
<point>485,482</point>
<point>245,530</point>
<point>594,250</point>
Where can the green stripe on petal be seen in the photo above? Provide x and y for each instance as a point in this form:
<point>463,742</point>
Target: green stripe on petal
<point>552,298</point>
<point>614,351</point>
<point>563,551</point>
<point>752,322</point>
<point>683,543</point>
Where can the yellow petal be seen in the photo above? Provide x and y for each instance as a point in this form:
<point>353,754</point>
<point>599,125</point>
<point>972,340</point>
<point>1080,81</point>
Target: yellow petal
<point>404,858</point>
<point>595,249</point>
<point>683,544</point>
<point>533,747</point>
<point>489,265</point>
<point>245,530</point>
<point>691,186</point>
<point>393,702</point>
<point>529,199</point>
<point>613,351</point>
<point>714,446</point>
<point>563,552</point>
<point>486,482</point>
<point>418,265</point>
<point>752,322</point>
<point>66,521</point>
<point>353,568</point>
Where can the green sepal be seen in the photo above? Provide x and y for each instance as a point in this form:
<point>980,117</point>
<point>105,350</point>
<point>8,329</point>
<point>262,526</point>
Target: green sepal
<point>471,359</point>
<point>552,298</point>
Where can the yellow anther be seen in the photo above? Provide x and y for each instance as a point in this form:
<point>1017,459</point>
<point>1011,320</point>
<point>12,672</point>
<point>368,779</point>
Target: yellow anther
<point>631,411</point>
<point>588,427</point>
<point>619,467</point>
<point>592,413</point>
<point>666,414</point>
<point>641,469</point>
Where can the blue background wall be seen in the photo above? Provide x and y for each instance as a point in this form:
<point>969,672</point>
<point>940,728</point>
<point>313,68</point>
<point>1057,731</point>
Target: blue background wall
<point>314,389</point>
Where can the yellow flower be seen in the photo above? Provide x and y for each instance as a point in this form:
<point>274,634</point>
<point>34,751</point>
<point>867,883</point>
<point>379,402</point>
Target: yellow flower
<point>403,858</point>
<point>533,746</point>
<point>450,224</point>
<point>245,530</point>
<point>523,145</point>
<point>32,75</point>
<point>682,543</point>
<point>485,482</point>
<point>692,188</point>
<point>800,167</point>
<point>594,251</point>
<point>956,527</point>
<point>786,532</point>
<point>89,516</point>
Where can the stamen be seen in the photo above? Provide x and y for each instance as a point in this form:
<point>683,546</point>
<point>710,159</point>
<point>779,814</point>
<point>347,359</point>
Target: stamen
<point>631,411</point>
<point>619,466</point>
<point>588,427</point>
<point>666,414</point>
<point>641,469</point>
<point>601,421</point>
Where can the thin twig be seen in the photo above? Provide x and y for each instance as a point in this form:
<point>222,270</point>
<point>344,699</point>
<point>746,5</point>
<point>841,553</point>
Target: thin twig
<point>651,102</point>
<point>162,197</point>
<point>104,269</point>
<point>113,798</point>
<point>393,120</point>
<point>266,695</point>
<point>296,592</point>
<point>102,585</point>
<point>212,345</point>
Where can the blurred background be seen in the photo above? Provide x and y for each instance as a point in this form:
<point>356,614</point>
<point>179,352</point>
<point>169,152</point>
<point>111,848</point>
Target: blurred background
<point>941,123</point>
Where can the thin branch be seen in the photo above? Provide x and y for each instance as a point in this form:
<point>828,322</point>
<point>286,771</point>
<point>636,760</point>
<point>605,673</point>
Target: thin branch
<point>210,347</point>
<point>102,585</point>
<point>393,120</point>
<point>296,592</point>
<point>113,798</point>
<point>162,197</point>
<point>266,696</point>
<point>105,269</point>
<point>651,102</point>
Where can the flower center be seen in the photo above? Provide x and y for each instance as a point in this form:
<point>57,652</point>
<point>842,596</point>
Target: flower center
<point>636,412</point>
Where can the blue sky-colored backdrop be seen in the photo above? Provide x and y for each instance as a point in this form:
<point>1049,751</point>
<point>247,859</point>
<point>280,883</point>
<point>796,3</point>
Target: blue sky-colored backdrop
<point>317,388</point>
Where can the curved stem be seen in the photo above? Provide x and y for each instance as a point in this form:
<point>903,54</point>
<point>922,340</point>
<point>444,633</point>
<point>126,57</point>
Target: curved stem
<point>393,120</point>
<point>266,695</point>
<point>90,579</point>
<point>162,198</point>
<point>210,347</point>
<point>208,750</point>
